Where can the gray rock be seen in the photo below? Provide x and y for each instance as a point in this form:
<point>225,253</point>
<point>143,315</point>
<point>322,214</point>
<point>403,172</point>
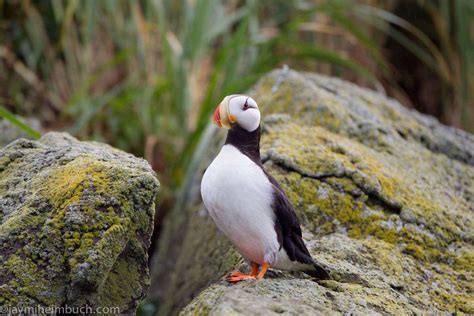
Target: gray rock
<point>75,224</point>
<point>384,194</point>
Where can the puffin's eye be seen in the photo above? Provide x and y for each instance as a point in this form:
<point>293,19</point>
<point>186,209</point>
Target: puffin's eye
<point>246,105</point>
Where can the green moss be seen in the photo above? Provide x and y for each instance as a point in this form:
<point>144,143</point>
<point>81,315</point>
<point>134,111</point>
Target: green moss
<point>415,250</point>
<point>292,98</point>
<point>66,184</point>
<point>463,259</point>
<point>360,175</point>
<point>27,276</point>
<point>78,219</point>
<point>123,284</point>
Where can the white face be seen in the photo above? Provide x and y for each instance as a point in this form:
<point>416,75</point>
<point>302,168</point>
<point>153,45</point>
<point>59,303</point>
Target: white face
<point>245,111</point>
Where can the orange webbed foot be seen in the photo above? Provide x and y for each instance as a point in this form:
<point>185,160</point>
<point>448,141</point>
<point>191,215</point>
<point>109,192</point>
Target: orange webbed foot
<point>235,277</point>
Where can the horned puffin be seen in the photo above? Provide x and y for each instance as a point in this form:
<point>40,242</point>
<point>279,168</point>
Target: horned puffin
<point>247,204</point>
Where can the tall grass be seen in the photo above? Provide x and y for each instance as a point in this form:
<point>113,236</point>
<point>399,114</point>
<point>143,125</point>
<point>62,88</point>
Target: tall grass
<point>145,75</point>
<point>451,60</point>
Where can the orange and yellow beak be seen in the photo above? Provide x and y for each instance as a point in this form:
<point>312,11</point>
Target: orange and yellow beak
<point>222,117</point>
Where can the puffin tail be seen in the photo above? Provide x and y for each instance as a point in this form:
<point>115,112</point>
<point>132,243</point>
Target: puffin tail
<point>318,272</point>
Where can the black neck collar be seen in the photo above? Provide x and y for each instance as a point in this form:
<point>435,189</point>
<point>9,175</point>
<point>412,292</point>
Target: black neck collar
<point>247,142</point>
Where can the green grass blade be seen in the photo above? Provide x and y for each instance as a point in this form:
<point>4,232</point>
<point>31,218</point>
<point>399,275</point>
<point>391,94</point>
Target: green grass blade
<point>195,38</point>
<point>18,123</point>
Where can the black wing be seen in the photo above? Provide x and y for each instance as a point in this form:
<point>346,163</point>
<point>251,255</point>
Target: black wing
<point>288,228</point>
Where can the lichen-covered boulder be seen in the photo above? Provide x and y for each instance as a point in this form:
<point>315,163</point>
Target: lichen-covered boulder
<point>385,196</point>
<point>9,132</point>
<point>75,224</point>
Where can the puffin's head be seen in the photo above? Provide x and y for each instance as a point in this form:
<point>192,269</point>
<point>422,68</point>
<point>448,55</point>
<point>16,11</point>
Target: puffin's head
<point>238,109</point>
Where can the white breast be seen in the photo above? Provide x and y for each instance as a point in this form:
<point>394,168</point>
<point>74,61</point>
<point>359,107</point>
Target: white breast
<point>238,196</point>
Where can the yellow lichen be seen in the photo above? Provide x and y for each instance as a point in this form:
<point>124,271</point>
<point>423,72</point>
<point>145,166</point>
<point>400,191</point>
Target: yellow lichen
<point>66,183</point>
